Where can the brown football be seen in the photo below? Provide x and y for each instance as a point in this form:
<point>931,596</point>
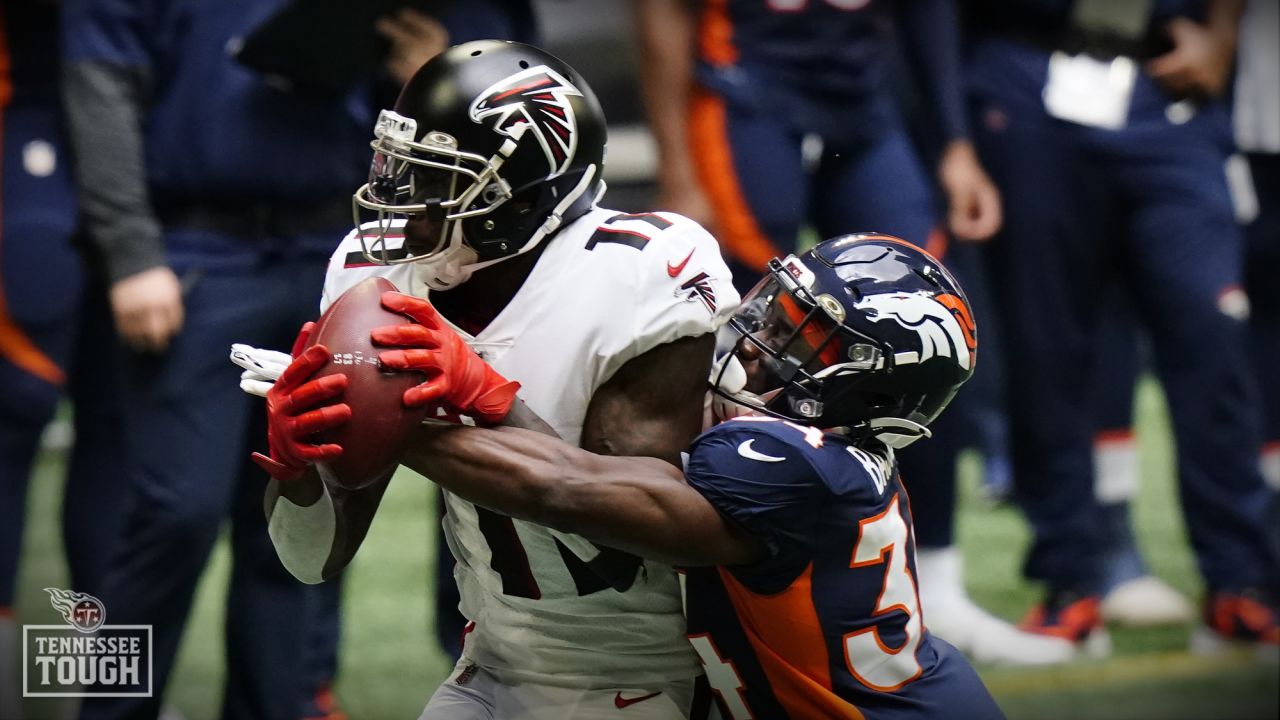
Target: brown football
<point>379,420</point>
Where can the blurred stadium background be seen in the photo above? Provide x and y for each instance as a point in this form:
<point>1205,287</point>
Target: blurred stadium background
<point>389,660</point>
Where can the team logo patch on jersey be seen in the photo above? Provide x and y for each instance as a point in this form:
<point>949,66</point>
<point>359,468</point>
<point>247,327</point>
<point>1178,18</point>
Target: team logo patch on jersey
<point>943,323</point>
<point>699,287</point>
<point>534,100</point>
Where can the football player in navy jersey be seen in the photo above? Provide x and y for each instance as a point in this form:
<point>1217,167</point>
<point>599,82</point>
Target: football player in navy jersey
<point>802,598</point>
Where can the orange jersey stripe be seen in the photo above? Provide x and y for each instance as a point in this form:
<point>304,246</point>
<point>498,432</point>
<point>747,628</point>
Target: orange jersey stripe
<point>715,34</point>
<point>708,138</point>
<point>784,632</point>
<point>15,346</point>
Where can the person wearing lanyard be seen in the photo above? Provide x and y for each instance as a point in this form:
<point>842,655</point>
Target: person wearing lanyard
<point>1102,124</point>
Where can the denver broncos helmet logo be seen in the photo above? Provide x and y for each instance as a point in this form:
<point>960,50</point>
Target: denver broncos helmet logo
<point>943,323</point>
<point>534,100</point>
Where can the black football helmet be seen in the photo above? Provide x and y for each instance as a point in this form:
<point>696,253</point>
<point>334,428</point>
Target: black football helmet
<point>500,143</point>
<point>864,331</point>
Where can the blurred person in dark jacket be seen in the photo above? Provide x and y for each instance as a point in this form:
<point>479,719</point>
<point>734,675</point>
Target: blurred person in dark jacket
<point>1103,125</point>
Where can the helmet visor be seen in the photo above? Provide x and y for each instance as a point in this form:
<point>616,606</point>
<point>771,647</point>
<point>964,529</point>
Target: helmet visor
<point>796,337</point>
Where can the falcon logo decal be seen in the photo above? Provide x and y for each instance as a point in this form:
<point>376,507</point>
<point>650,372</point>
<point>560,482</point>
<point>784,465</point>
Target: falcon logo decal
<point>534,100</point>
<point>698,287</point>
<point>943,323</point>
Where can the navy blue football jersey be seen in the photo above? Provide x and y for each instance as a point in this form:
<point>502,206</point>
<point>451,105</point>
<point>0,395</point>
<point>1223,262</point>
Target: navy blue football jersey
<point>833,46</point>
<point>827,624</point>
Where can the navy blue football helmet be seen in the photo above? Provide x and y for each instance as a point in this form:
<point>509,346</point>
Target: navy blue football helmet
<point>864,331</point>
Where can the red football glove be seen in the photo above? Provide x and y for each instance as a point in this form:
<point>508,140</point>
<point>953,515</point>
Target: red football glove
<point>300,342</point>
<point>296,408</point>
<point>455,373</point>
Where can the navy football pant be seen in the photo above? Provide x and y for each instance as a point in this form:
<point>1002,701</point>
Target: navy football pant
<point>974,419</point>
<point>1261,273</point>
<point>192,429</point>
<point>55,342</point>
<point>764,190</point>
<point>1156,193</point>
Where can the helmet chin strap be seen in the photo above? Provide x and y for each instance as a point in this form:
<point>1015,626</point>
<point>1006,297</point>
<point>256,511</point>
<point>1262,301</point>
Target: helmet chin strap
<point>454,265</point>
<point>897,432</point>
<point>733,399</point>
<point>450,267</point>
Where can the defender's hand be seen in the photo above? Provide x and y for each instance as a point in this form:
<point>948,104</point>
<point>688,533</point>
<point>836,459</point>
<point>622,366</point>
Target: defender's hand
<point>263,367</point>
<point>456,374</point>
<point>296,408</point>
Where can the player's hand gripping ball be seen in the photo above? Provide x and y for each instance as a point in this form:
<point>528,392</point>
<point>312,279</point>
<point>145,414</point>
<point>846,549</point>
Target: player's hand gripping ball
<point>456,376</point>
<point>380,422</point>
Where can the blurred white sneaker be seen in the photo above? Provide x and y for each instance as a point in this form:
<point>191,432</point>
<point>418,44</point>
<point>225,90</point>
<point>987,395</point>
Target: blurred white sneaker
<point>985,638</point>
<point>1146,601</point>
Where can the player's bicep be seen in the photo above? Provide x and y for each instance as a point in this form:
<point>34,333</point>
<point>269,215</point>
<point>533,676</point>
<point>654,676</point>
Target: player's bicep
<point>653,405</point>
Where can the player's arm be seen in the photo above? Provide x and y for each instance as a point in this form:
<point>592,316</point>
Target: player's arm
<point>665,30</point>
<point>931,35</point>
<point>637,504</point>
<point>107,76</point>
<point>317,526</point>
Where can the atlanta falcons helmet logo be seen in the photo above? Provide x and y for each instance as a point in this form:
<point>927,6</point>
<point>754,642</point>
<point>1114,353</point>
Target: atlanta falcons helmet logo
<point>534,100</point>
<point>943,324</point>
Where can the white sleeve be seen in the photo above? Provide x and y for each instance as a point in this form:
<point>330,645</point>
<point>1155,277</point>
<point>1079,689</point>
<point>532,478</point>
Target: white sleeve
<point>682,289</point>
<point>333,281</point>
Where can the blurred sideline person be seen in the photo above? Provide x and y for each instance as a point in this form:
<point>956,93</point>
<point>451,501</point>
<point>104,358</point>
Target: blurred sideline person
<point>823,372</point>
<point>484,185</point>
<point>1136,160</point>
<point>771,116</point>
<point>1257,133</point>
<point>214,197</point>
<point>55,331</point>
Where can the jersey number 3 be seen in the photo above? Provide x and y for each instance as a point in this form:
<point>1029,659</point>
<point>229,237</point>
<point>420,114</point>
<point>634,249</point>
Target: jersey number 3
<point>882,539</point>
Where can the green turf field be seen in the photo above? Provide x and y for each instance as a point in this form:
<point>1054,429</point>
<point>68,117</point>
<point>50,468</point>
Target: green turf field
<point>390,664</point>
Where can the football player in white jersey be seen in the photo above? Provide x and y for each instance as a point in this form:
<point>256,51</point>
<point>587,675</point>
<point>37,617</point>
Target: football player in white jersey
<point>483,191</point>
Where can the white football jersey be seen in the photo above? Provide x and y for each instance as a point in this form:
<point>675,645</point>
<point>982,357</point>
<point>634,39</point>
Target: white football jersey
<point>608,287</point>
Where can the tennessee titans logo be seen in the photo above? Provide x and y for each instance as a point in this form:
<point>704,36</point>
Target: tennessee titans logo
<point>534,100</point>
<point>943,323</point>
<point>82,611</point>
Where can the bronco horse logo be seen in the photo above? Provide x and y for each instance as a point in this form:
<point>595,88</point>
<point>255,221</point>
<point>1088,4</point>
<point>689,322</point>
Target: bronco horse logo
<point>943,324</point>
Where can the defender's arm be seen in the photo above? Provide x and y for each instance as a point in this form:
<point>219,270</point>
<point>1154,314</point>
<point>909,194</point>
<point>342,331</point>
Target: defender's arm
<point>641,505</point>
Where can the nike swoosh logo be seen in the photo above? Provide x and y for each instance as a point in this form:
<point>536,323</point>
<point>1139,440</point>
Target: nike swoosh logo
<point>745,451</point>
<point>674,270</point>
<point>621,702</point>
